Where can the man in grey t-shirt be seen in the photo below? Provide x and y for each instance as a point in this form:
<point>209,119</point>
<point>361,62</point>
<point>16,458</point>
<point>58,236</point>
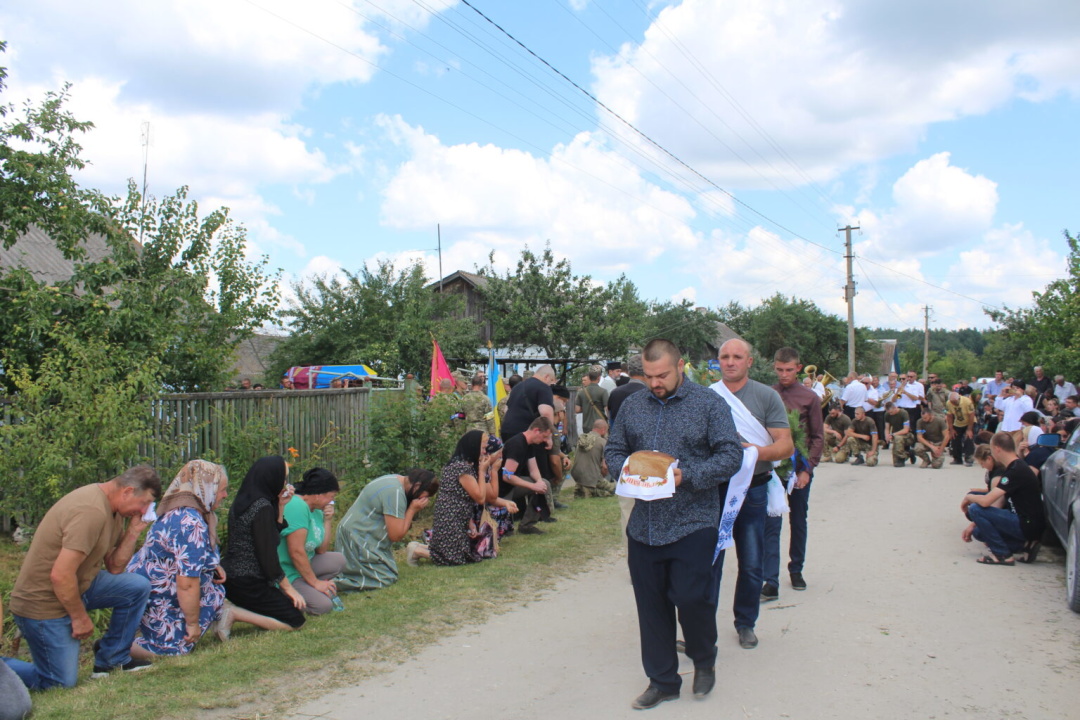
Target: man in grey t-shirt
<point>767,407</point>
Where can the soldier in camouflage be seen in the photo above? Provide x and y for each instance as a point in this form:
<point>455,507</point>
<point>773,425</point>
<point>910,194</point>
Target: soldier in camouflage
<point>477,408</point>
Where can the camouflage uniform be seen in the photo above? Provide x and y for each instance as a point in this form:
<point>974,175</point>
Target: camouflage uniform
<point>840,423</point>
<point>900,443</point>
<point>589,480</point>
<point>937,397</point>
<point>855,447</point>
<point>478,414</point>
<point>934,431</point>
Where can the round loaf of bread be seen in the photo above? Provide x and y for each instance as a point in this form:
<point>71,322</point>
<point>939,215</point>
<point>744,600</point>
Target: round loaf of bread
<point>649,463</point>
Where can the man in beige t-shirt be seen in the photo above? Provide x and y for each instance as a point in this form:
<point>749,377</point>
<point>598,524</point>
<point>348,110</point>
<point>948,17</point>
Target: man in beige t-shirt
<point>62,579</point>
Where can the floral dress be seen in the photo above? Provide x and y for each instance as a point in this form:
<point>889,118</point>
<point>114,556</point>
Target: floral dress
<point>177,544</point>
<point>458,535</point>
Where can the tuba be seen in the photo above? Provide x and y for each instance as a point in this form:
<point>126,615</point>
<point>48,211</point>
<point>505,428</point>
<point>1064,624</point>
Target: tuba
<point>826,378</point>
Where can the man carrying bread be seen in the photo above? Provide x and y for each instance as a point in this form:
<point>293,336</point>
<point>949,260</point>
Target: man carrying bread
<point>671,541</point>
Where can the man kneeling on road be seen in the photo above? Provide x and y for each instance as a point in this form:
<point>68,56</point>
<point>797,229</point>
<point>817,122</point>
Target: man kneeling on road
<point>836,427</point>
<point>1013,529</point>
<point>61,579</point>
<point>898,433</point>
<point>932,437</point>
<point>861,438</point>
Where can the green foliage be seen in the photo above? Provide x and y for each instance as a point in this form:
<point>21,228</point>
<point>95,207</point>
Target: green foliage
<point>1044,334</point>
<point>692,332</point>
<point>406,431</point>
<point>382,318</point>
<point>79,419</point>
<point>821,339</point>
<point>958,364</point>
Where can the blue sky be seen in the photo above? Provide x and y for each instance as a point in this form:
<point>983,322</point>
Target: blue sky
<point>341,132</point>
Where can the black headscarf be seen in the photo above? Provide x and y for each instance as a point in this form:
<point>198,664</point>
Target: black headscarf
<point>317,481</point>
<point>265,479</point>
<point>468,448</point>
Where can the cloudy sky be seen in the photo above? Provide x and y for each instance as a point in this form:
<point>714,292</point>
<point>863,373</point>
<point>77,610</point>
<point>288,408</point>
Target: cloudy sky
<point>708,149</point>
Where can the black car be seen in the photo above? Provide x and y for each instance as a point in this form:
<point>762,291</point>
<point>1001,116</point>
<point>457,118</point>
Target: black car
<point>1061,495</point>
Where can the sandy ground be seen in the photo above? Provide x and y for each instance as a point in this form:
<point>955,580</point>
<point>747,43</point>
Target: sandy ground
<point>898,622</point>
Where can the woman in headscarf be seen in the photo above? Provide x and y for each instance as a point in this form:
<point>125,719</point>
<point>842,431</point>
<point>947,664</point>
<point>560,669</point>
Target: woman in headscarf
<point>470,482</point>
<point>181,561</point>
<point>305,541</point>
<point>255,581</point>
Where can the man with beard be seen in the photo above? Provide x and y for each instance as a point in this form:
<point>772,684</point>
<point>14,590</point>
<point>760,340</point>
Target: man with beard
<point>671,541</point>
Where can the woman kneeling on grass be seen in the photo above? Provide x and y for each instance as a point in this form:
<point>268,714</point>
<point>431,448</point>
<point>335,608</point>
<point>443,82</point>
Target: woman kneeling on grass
<point>182,563</point>
<point>461,533</point>
<point>381,516</point>
<point>256,589</point>
<point>305,541</point>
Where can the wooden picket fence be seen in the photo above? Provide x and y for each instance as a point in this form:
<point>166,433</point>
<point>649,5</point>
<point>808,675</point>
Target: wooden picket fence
<point>194,424</point>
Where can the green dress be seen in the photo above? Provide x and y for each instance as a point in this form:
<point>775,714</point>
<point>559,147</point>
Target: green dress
<point>362,536</point>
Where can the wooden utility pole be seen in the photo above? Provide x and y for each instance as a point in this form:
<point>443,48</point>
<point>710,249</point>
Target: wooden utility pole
<point>849,296</point>
<point>926,342</point>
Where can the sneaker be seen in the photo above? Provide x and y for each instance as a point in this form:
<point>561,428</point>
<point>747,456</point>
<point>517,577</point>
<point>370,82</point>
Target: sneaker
<point>747,638</point>
<point>969,463</point>
<point>797,581</point>
<point>531,530</point>
<point>680,647</point>
<point>901,463</point>
<point>410,553</point>
<point>652,697</point>
<point>704,680</point>
<point>131,665</point>
<point>858,460</point>
<point>561,505</point>
<point>769,592</point>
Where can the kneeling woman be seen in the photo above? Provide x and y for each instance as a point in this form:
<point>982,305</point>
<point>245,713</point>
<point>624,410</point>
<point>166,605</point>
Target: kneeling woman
<point>470,482</point>
<point>255,583</point>
<point>305,540</point>
<point>381,516</point>
<point>181,561</point>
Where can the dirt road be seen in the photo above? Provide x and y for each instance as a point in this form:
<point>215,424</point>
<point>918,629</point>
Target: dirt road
<point>898,622</point>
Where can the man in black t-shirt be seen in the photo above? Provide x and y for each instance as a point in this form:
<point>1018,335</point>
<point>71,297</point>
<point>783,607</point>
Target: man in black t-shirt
<point>1019,526</point>
<point>529,400</point>
<point>636,383</point>
<point>521,480</point>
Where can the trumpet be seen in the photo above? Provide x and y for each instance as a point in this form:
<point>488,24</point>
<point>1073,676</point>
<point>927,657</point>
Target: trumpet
<point>826,379</point>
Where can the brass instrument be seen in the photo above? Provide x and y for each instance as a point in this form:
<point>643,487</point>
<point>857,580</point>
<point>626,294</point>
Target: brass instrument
<point>826,378</point>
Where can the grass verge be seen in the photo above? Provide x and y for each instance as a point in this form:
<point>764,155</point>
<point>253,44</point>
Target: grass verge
<point>258,674</point>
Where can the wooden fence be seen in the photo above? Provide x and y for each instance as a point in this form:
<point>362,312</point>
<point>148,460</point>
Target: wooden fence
<point>195,424</point>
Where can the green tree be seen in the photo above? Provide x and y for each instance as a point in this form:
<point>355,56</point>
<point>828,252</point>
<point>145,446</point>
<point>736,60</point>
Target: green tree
<point>958,364</point>
<point>820,338</point>
<point>1044,334</point>
<point>681,323</point>
<point>543,304</point>
<point>384,318</point>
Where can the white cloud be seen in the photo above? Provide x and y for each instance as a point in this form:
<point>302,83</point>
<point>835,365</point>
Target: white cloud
<point>583,198</point>
<point>835,84</point>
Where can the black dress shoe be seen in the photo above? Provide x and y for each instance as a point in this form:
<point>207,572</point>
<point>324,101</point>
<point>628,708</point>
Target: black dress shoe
<point>747,638</point>
<point>769,592</point>
<point>704,680</point>
<point>797,581</point>
<point>652,697</point>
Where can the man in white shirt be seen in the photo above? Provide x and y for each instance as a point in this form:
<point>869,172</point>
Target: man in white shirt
<point>1063,389</point>
<point>1013,402</point>
<point>912,394</point>
<point>614,370</point>
<point>854,395</point>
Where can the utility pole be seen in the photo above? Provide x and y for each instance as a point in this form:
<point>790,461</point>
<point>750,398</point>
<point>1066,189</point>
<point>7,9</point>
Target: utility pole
<point>849,296</point>
<point>926,341</point>
<point>438,233</point>
<point>145,166</point>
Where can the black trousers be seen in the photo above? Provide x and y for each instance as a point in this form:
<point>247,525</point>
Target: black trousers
<point>670,578</point>
<point>879,420</point>
<point>963,447</point>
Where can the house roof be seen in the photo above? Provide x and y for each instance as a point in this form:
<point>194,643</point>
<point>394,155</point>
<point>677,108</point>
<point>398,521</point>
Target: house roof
<point>468,277</point>
<point>37,252</point>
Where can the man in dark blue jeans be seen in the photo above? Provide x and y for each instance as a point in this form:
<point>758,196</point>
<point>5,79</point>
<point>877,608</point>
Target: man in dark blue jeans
<point>767,409</point>
<point>61,579</point>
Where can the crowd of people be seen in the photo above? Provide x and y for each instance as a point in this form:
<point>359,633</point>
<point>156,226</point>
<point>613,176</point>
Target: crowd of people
<point>283,561</point>
<point>928,422</point>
